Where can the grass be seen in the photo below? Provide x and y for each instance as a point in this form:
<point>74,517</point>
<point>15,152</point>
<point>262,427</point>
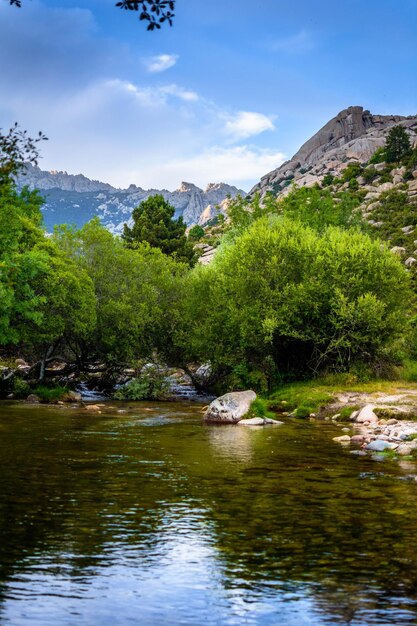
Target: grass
<point>303,398</point>
<point>50,394</point>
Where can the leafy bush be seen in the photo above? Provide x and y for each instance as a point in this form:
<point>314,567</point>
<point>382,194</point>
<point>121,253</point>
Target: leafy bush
<point>377,157</point>
<point>353,170</point>
<point>302,299</point>
<point>327,180</point>
<point>21,389</point>
<point>195,233</point>
<point>152,384</point>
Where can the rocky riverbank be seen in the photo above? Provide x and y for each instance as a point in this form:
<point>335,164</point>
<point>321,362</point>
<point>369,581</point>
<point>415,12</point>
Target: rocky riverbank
<point>379,422</point>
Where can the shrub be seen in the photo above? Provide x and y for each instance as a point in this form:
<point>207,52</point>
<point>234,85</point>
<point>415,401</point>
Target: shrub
<point>303,299</point>
<point>397,145</point>
<point>21,389</point>
<point>152,384</point>
<point>378,156</point>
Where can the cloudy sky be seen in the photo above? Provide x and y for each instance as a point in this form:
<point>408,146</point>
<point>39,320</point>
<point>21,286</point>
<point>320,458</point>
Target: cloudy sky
<point>224,95</point>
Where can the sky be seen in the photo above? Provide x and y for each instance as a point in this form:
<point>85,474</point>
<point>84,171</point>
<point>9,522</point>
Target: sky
<point>225,95</point>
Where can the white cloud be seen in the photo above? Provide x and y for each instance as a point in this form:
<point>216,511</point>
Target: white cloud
<point>242,166</point>
<point>300,43</point>
<point>246,124</point>
<point>160,63</point>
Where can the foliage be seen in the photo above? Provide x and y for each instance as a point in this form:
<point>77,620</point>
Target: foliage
<point>319,208</point>
<point>152,384</point>
<point>242,212</point>
<point>44,296</point>
<point>21,388</point>
<point>50,394</point>
<point>378,156</point>
<point>397,145</point>
<point>154,223</point>
<point>305,300</point>
<point>196,232</point>
<point>353,170</point>
<point>154,12</point>
<point>16,149</point>
<point>136,294</point>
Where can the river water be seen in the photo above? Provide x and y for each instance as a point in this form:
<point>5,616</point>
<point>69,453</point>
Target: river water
<point>151,518</point>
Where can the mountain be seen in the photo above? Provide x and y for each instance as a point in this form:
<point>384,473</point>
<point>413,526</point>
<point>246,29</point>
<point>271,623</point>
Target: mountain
<point>75,199</point>
<point>353,135</point>
<point>341,158</point>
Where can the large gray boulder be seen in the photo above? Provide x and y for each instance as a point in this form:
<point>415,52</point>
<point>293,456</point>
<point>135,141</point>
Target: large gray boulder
<point>230,408</point>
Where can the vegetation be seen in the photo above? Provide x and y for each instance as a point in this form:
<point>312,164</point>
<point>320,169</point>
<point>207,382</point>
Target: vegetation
<point>288,300</point>
<point>154,223</point>
<point>397,145</point>
<point>151,384</point>
<point>153,12</point>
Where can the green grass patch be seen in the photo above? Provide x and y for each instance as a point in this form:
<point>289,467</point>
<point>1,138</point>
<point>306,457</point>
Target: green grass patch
<point>50,394</point>
<point>261,408</point>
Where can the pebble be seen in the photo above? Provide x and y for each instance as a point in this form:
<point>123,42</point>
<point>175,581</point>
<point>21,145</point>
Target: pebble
<point>342,439</point>
<point>379,445</point>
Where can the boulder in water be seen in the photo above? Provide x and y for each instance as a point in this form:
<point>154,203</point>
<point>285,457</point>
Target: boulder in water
<point>230,408</point>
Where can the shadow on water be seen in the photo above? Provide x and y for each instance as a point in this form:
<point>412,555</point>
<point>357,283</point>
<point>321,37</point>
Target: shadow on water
<point>105,517</point>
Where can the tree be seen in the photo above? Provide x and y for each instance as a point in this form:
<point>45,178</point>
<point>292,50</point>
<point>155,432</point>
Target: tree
<point>154,12</point>
<point>136,294</point>
<point>196,232</point>
<point>397,145</point>
<point>286,297</point>
<point>154,223</point>
<point>45,298</point>
<point>16,149</point>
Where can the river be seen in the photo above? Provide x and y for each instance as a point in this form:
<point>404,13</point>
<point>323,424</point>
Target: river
<point>151,518</point>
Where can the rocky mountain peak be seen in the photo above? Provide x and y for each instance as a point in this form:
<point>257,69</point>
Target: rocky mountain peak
<point>188,188</point>
<point>354,133</point>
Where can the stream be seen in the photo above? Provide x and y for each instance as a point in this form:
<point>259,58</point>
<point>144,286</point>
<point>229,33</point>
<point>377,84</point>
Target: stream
<point>143,515</point>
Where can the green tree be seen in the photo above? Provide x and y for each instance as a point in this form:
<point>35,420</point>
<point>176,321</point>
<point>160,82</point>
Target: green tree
<point>195,233</point>
<point>45,297</point>
<point>137,293</point>
<point>154,223</point>
<point>397,145</point>
<point>285,297</point>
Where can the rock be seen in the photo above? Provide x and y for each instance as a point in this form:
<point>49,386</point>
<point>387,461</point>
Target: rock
<point>342,439</point>
<point>399,250</point>
<point>10,396</point>
<point>391,422</point>
<point>92,407</point>
<point>405,449</point>
<point>72,396</point>
<point>379,445</point>
<point>204,373</point>
<point>33,399</point>
<point>259,421</point>
<point>230,408</point>
<point>357,439</point>
<point>410,261</point>
<point>366,414</point>
<point>21,363</point>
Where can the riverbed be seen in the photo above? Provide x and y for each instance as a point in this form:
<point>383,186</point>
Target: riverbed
<point>149,517</point>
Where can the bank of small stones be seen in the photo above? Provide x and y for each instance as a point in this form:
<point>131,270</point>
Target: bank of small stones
<point>384,425</point>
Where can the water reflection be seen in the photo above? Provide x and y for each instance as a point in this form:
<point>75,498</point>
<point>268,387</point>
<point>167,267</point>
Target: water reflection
<point>152,516</point>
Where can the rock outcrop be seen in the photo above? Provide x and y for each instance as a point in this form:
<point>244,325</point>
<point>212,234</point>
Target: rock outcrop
<point>230,408</point>
<point>354,134</point>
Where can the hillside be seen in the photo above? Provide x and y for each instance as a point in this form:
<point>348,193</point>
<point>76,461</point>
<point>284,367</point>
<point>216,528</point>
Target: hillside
<point>75,199</point>
<point>341,158</point>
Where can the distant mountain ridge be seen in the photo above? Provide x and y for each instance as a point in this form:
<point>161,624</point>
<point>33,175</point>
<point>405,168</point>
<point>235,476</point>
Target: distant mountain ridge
<point>75,199</point>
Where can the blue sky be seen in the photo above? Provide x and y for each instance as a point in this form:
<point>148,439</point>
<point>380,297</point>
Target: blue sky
<point>226,94</point>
